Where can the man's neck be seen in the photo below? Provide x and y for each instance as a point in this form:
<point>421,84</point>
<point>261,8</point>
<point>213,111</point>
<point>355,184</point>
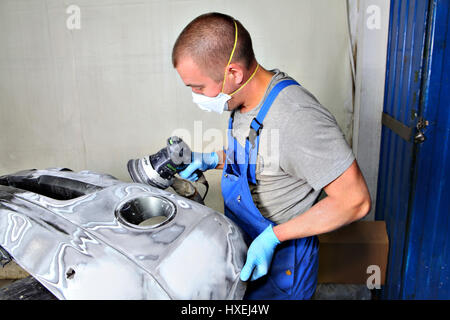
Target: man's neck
<point>255,89</point>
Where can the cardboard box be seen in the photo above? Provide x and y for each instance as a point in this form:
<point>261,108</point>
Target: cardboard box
<point>346,254</point>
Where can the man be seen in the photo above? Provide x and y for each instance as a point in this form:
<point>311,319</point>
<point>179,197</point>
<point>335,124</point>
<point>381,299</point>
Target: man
<point>272,198</point>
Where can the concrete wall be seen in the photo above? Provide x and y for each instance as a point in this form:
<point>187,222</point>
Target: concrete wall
<point>94,97</point>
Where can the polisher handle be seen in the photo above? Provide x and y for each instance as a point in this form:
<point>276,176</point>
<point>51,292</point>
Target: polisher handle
<point>202,180</point>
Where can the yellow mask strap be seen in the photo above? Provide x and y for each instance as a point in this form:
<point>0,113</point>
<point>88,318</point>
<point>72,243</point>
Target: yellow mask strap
<point>232,53</point>
<point>248,80</point>
<point>229,61</point>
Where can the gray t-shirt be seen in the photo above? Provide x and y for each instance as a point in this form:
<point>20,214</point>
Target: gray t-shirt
<point>301,150</point>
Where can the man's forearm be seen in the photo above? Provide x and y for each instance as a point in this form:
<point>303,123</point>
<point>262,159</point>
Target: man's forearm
<point>347,200</point>
<point>327,215</point>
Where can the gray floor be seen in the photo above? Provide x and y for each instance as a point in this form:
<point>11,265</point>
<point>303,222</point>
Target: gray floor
<point>331,291</point>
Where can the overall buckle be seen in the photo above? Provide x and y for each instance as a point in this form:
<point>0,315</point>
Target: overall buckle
<point>254,133</point>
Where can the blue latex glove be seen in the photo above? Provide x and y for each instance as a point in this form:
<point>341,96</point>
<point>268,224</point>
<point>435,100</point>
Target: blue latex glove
<point>259,255</point>
<point>199,161</point>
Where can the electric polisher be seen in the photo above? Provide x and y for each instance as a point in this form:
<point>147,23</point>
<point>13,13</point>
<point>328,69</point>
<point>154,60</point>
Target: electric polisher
<point>159,169</point>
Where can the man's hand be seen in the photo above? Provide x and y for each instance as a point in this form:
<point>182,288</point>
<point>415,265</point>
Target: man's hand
<point>259,255</point>
<point>199,161</point>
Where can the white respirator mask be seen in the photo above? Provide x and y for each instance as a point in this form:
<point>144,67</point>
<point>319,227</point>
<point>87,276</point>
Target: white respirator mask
<point>219,103</point>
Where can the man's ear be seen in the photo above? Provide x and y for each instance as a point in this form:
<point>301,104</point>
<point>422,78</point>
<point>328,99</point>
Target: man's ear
<point>235,74</point>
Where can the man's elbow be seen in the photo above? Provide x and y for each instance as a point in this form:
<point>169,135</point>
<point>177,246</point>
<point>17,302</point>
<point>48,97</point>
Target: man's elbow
<point>362,207</point>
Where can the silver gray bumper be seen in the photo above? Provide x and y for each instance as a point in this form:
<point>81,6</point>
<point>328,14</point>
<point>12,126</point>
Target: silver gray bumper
<point>90,236</point>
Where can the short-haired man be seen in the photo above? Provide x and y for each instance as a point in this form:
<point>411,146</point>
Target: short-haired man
<point>270,189</point>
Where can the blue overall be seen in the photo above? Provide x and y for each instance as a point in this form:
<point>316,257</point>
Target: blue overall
<point>294,267</point>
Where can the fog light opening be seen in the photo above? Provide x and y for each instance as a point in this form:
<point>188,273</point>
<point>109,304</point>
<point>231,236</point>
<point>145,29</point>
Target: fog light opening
<point>146,212</point>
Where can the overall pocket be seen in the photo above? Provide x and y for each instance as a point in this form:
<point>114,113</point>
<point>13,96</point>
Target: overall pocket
<point>282,270</point>
<point>295,274</point>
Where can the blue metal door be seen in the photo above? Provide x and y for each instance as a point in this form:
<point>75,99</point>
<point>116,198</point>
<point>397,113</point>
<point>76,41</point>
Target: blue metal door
<point>414,176</point>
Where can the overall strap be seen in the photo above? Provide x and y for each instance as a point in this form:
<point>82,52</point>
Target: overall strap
<point>230,152</point>
<point>257,123</point>
<point>230,120</point>
<point>256,126</point>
